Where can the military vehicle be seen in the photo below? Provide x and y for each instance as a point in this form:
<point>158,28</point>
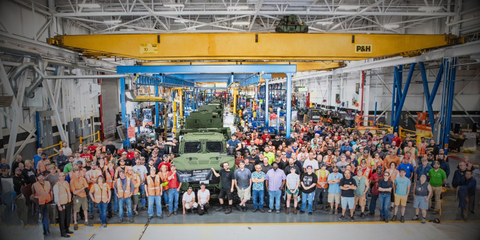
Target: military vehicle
<point>291,24</point>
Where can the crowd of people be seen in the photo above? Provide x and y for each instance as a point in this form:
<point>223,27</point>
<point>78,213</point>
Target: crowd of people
<point>329,168</point>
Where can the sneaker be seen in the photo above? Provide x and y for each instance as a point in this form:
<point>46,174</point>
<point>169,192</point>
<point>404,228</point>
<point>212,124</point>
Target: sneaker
<point>261,210</point>
<point>278,211</point>
<point>394,218</point>
<point>314,209</point>
<point>104,225</point>
<point>336,212</point>
<point>352,218</point>
<point>88,224</point>
<point>219,209</point>
<point>294,210</point>
<point>130,220</point>
<point>175,213</point>
<point>371,213</point>
<point>244,208</point>
<point>331,211</point>
<point>135,212</point>
<point>362,215</point>
<point>302,212</point>
<point>120,220</point>
<point>161,216</point>
<point>239,208</point>
<point>229,210</point>
<point>424,220</point>
<point>415,218</point>
<point>382,219</point>
<point>391,208</point>
<point>254,210</point>
<point>310,213</point>
<point>109,215</point>
<point>75,226</point>
<point>386,220</point>
<point>169,214</point>
<point>402,219</point>
<point>341,218</point>
<point>435,212</point>
<point>269,210</point>
<point>287,210</point>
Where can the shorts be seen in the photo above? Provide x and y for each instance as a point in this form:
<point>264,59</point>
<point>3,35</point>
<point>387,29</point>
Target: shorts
<point>419,202</point>
<point>225,192</point>
<point>244,194</point>
<point>334,197</point>
<point>400,200</point>
<point>80,202</point>
<point>135,199</point>
<point>295,193</point>
<point>360,200</point>
<point>194,205</point>
<point>348,202</point>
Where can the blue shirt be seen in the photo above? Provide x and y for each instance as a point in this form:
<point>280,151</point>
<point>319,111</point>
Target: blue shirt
<point>36,159</point>
<point>408,169</point>
<point>258,186</point>
<point>334,188</point>
<point>232,143</point>
<point>344,149</point>
<point>402,185</point>
<point>423,171</point>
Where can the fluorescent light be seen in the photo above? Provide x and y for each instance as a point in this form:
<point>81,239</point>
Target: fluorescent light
<point>112,21</point>
<point>348,7</point>
<point>391,26</point>
<point>220,18</point>
<point>240,7</point>
<point>89,5</point>
<point>127,30</point>
<point>241,23</point>
<point>324,23</point>
<point>429,8</point>
<point>173,5</point>
<point>181,20</point>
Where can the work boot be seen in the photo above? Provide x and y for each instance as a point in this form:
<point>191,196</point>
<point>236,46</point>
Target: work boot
<point>130,220</point>
<point>219,209</point>
<point>75,226</point>
<point>362,215</point>
<point>294,210</point>
<point>394,218</point>
<point>120,220</point>
<point>402,219</point>
<point>228,210</point>
<point>287,210</point>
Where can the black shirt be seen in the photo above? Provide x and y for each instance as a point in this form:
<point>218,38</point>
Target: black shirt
<point>350,181</point>
<point>110,148</point>
<point>18,183</point>
<point>30,175</point>
<point>250,167</point>
<point>385,184</point>
<point>227,178</point>
<point>288,168</point>
<point>309,179</point>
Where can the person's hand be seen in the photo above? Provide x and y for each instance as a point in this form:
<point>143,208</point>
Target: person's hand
<point>231,190</point>
<point>426,199</point>
<point>60,208</point>
<point>178,189</point>
<point>184,212</point>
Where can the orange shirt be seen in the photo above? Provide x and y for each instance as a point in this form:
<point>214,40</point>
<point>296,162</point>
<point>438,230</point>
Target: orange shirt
<point>79,183</point>
<point>389,159</point>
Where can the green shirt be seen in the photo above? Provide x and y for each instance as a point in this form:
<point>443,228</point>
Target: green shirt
<point>68,168</point>
<point>360,185</point>
<point>270,156</point>
<point>437,177</point>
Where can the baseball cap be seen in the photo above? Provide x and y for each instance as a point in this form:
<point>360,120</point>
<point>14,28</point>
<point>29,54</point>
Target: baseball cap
<point>323,165</point>
<point>429,153</point>
<point>379,167</point>
<point>309,166</point>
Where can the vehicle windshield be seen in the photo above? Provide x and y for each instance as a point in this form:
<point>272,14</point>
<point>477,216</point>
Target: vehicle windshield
<point>214,146</point>
<point>192,147</point>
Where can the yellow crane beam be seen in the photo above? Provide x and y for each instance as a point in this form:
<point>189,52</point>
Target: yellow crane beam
<point>301,66</point>
<point>252,46</point>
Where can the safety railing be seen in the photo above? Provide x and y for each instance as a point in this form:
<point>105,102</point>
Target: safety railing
<point>96,137</point>
<point>59,144</point>
<point>362,122</point>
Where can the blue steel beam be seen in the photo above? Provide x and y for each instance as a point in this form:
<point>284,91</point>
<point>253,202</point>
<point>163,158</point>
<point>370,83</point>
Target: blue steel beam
<point>267,96</point>
<point>157,110</point>
<point>430,97</point>
<point>396,123</point>
<point>123,104</point>
<point>394,94</point>
<point>198,69</point>
<point>450,99</point>
<point>253,79</point>
<point>288,114</point>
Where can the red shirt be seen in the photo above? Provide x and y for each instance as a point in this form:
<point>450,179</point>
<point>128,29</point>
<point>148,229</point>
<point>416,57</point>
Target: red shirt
<point>397,140</point>
<point>264,137</point>
<point>375,186</point>
<point>86,156</point>
<point>92,148</point>
<point>119,152</point>
<point>130,155</point>
<point>173,183</point>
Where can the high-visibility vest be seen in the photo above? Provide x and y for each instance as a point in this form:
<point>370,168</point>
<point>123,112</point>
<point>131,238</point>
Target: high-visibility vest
<point>422,148</point>
<point>136,180</point>
<point>366,173</point>
<point>42,166</point>
<point>108,177</point>
<point>100,192</point>
<point>411,150</point>
<point>393,174</point>
<point>43,193</point>
<point>153,187</point>
<point>120,192</point>
<point>93,176</point>
<point>164,178</point>
<point>64,196</point>
<point>322,177</point>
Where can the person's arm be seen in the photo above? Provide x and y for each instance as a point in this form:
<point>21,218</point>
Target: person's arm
<point>239,146</point>
<point>430,193</point>
<point>444,178</point>
<point>91,193</point>
<point>266,185</point>
<point>215,173</point>
<point>367,186</point>
<point>184,203</point>
<point>408,189</point>
<point>132,187</point>
<point>415,187</point>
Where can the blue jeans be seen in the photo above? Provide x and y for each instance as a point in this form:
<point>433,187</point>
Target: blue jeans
<point>275,195</point>
<point>91,206</point>
<point>102,207</point>
<point>307,197</point>
<point>266,195</point>
<point>165,197</point>
<point>158,201</point>
<point>142,193</point>
<point>113,204</point>
<point>257,196</point>
<point>46,224</point>
<point>373,204</point>
<point>173,195</point>
<point>320,193</point>
<point>127,201</point>
<point>384,201</point>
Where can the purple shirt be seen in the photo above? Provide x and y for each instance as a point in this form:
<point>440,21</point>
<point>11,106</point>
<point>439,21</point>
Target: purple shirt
<point>275,179</point>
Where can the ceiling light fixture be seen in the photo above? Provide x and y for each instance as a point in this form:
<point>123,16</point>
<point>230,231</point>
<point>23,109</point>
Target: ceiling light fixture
<point>173,5</point>
<point>127,30</point>
<point>241,7</point>
<point>324,23</point>
<point>429,8</point>
<point>181,20</point>
<point>391,26</point>
<point>112,21</point>
<point>348,7</point>
<point>89,5</point>
<point>241,23</point>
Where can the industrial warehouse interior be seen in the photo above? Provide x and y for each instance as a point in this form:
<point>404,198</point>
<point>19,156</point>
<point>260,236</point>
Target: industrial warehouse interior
<point>239,119</point>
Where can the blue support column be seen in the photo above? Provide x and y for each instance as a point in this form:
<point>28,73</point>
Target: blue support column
<point>430,97</point>
<point>446,77</point>
<point>123,104</point>
<point>141,120</point>
<point>450,99</point>
<point>375,114</point>
<point>394,93</point>
<point>289,105</point>
<point>266,103</point>
<point>396,123</point>
<point>278,120</point>
<point>157,109</point>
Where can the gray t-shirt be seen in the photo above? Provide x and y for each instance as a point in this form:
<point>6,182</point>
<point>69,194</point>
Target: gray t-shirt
<point>292,180</point>
<point>52,179</point>
<point>342,166</point>
<point>203,195</point>
<point>243,178</point>
<point>141,171</point>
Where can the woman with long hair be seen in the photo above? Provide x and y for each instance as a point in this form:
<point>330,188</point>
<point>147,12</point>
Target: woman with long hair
<point>100,194</point>
<point>385,187</point>
<point>393,173</point>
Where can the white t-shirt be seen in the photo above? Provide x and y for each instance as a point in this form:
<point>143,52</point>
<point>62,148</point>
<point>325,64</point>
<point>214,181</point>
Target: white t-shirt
<point>79,159</point>
<point>203,195</point>
<point>314,164</point>
<point>188,197</point>
<point>141,171</point>
<point>67,151</point>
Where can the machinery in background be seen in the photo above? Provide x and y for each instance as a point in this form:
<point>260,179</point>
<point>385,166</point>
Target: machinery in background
<point>291,24</point>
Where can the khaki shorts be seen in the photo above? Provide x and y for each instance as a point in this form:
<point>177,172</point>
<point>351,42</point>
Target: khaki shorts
<point>244,194</point>
<point>334,197</point>
<point>360,200</point>
<point>400,200</point>
<point>79,202</point>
